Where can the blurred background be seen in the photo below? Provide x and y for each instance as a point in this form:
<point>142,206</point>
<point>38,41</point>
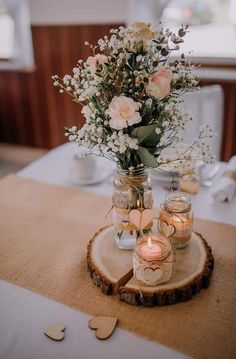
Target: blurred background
<point>46,37</point>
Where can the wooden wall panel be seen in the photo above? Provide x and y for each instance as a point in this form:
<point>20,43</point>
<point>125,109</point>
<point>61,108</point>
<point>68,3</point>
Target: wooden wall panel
<point>32,112</point>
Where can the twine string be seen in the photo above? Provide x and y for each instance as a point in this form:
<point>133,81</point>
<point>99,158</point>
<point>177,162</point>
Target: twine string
<point>133,183</point>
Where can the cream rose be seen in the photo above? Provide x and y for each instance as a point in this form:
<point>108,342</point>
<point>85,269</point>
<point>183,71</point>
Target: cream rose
<point>123,112</point>
<point>159,84</point>
<point>138,37</point>
<point>92,61</point>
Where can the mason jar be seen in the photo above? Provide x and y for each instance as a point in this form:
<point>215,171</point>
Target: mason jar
<point>131,190</point>
<point>176,219</point>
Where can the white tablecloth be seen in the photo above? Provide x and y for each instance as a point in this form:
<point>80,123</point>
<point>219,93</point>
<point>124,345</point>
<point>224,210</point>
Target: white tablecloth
<point>24,315</point>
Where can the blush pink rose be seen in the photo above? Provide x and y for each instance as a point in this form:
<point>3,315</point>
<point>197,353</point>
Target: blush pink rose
<point>159,84</point>
<point>123,112</point>
<point>92,61</point>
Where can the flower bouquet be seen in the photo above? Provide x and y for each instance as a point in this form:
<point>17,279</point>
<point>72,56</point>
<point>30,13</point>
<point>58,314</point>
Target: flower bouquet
<point>130,90</point>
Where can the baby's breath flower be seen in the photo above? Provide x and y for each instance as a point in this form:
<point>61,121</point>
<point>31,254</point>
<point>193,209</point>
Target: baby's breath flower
<point>129,64</point>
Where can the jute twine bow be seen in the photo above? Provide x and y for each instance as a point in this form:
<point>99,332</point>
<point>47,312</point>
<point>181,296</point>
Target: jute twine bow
<point>132,182</point>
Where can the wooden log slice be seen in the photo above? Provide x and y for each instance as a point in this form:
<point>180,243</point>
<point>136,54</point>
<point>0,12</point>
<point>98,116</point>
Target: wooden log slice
<point>109,266</point>
<point>111,270</point>
<point>192,269</point>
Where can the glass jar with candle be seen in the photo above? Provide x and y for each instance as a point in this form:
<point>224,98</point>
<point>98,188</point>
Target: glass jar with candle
<point>176,219</point>
<point>152,259</point>
<point>131,190</point>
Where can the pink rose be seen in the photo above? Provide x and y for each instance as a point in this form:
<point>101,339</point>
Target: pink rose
<point>123,112</point>
<point>159,84</point>
<point>92,61</point>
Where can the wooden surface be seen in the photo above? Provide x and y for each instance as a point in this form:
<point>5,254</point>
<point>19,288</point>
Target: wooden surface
<point>33,113</point>
<point>21,155</point>
<point>111,270</point>
<point>110,267</point>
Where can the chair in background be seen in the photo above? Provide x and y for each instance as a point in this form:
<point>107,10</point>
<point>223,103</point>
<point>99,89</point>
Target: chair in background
<point>206,107</point>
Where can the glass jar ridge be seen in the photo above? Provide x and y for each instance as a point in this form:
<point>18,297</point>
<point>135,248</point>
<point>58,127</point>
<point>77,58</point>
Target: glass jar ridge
<point>176,218</point>
<point>131,190</point>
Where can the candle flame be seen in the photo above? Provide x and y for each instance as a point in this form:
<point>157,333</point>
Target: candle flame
<point>149,243</point>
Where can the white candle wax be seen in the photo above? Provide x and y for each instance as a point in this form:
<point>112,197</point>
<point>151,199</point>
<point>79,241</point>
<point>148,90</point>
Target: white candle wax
<point>150,250</point>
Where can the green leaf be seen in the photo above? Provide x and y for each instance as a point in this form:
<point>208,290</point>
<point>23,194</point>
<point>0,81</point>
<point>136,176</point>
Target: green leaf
<point>181,33</point>
<point>146,157</point>
<point>132,61</point>
<point>146,134</point>
<point>128,67</point>
<point>152,149</point>
<point>164,52</point>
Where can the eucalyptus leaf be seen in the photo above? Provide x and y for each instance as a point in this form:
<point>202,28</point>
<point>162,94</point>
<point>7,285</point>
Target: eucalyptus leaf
<point>181,32</point>
<point>146,134</point>
<point>152,149</point>
<point>164,52</point>
<point>146,157</point>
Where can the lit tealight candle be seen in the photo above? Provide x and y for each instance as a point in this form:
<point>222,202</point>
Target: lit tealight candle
<point>150,251</point>
<point>152,259</point>
<point>176,219</point>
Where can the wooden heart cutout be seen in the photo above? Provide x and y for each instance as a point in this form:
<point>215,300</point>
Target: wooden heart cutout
<point>141,218</point>
<point>104,326</point>
<point>56,332</point>
<point>167,229</point>
<point>152,275</point>
<point>125,224</point>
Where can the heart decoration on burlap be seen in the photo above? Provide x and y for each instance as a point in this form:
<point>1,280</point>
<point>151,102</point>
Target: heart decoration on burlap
<point>152,275</point>
<point>141,218</point>
<point>56,332</point>
<point>167,229</point>
<point>104,326</point>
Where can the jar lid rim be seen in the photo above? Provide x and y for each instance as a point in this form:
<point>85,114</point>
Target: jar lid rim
<point>176,210</point>
<point>177,195</point>
<point>133,171</point>
<point>174,197</point>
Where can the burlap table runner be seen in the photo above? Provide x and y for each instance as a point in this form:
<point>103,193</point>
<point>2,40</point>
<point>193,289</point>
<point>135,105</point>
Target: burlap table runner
<point>44,231</point>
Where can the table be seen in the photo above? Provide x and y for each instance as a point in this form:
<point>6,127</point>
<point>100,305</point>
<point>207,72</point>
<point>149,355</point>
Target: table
<point>25,314</point>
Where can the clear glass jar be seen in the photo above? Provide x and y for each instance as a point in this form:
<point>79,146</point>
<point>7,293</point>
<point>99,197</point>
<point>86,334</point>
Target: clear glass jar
<point>131,190</point>
<point>176,219</point>
<point>152,259</point>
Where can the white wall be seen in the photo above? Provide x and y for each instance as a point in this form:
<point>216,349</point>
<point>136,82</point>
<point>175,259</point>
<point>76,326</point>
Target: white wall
<point>77,11</point>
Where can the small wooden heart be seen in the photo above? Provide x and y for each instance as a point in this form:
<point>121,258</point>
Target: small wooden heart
<point>167,229</point>
<point>141,218</point>
<point>125,224</point>
<point>152,275</point>
<point>104,326</point>
<point>56,332</point>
